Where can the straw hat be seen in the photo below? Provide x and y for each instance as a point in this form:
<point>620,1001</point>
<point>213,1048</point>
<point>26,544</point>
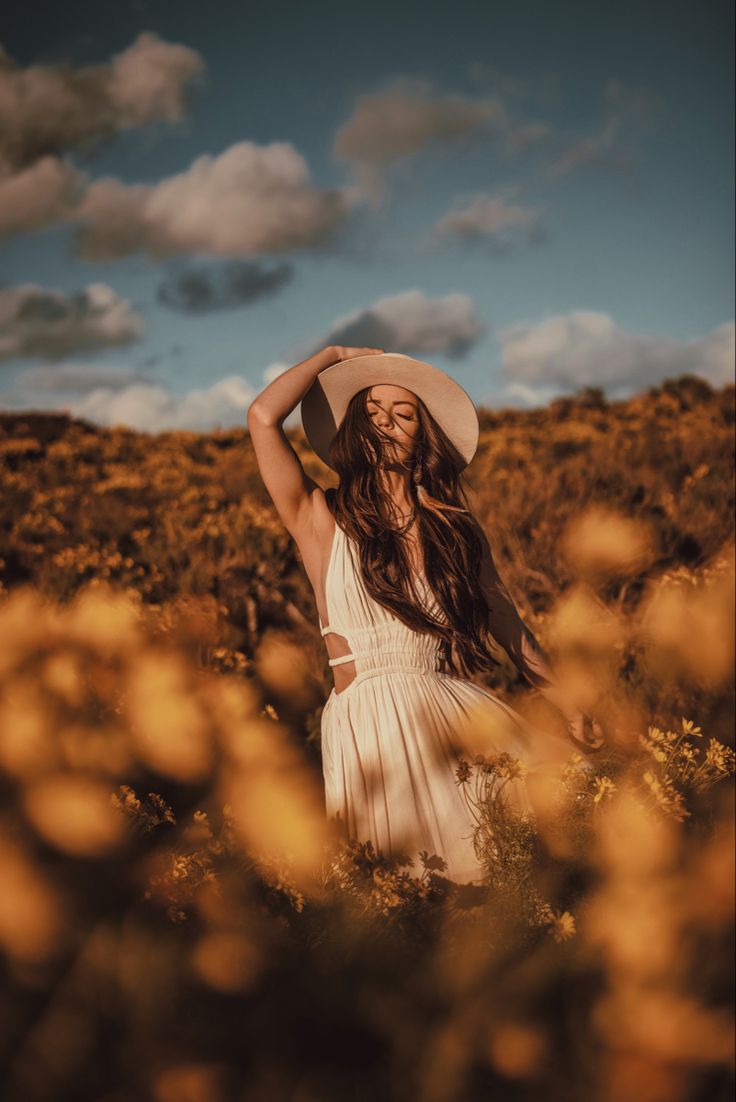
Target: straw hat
<point>325,403</point>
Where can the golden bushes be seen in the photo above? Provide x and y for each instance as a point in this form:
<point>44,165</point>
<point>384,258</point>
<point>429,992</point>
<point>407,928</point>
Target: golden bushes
<point>177,918</point>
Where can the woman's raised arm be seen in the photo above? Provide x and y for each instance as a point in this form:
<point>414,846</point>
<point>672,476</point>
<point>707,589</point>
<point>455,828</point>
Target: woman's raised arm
<point>290,487</point>
<point>288,484</point>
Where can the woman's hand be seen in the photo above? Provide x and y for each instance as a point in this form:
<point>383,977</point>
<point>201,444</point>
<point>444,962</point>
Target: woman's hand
<point>342,352</point>
<point>283,394</point>
<point>585,732</point>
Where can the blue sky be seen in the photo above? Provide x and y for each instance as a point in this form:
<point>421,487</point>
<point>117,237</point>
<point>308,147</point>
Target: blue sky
<point>533,196</point>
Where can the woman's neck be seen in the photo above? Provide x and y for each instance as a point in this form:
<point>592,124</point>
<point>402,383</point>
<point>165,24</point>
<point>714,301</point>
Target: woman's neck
<point>397,482</point>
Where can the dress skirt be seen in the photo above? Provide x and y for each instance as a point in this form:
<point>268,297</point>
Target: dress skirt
<point>391,745</point>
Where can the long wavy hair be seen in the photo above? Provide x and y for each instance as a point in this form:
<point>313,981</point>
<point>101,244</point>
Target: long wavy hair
<point>450,536</point>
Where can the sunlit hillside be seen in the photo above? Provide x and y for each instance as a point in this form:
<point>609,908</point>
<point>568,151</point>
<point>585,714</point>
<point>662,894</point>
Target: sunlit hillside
<point>177,920</point>
<point>182,520</point>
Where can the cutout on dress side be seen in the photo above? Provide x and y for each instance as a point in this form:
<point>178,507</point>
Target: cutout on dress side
<point>342,675</point>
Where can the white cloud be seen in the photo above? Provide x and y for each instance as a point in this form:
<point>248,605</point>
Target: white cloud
<point>412,323</point>
<point>53,324</point>
<point>405,118</point>
<point>45,109</point>
<point>249,199</point>
<point>144,406</point>
<point>273,371</point>
<point>147,80</point>
<point>77,377</point>
<point>490,218</point>
<point>153,407</point>
<point>37,196</point>
<point>586,348</point>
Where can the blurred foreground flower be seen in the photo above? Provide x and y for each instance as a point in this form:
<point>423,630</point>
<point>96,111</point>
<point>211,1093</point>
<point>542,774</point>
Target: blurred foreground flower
<point>172,893</point>
<point>89,696</point>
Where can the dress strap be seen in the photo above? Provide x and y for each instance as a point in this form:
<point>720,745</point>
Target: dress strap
<point>344,657</point>
<point>339,661</point>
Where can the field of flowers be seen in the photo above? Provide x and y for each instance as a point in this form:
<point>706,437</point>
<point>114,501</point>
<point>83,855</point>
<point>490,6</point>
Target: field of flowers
<point>177,920</point>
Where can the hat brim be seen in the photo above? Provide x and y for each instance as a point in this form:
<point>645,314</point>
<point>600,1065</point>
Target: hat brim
<point>325,403</point>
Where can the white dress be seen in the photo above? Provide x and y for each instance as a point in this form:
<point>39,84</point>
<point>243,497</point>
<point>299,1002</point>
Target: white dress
<point>389,746</point>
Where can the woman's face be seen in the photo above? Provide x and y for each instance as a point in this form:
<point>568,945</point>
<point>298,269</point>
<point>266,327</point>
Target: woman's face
<point>393,411</point>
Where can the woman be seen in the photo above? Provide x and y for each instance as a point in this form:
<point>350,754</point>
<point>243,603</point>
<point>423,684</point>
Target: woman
<point>407,593</point>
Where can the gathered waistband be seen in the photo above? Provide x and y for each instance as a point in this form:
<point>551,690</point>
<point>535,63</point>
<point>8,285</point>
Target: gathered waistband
<point>389,671</point>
